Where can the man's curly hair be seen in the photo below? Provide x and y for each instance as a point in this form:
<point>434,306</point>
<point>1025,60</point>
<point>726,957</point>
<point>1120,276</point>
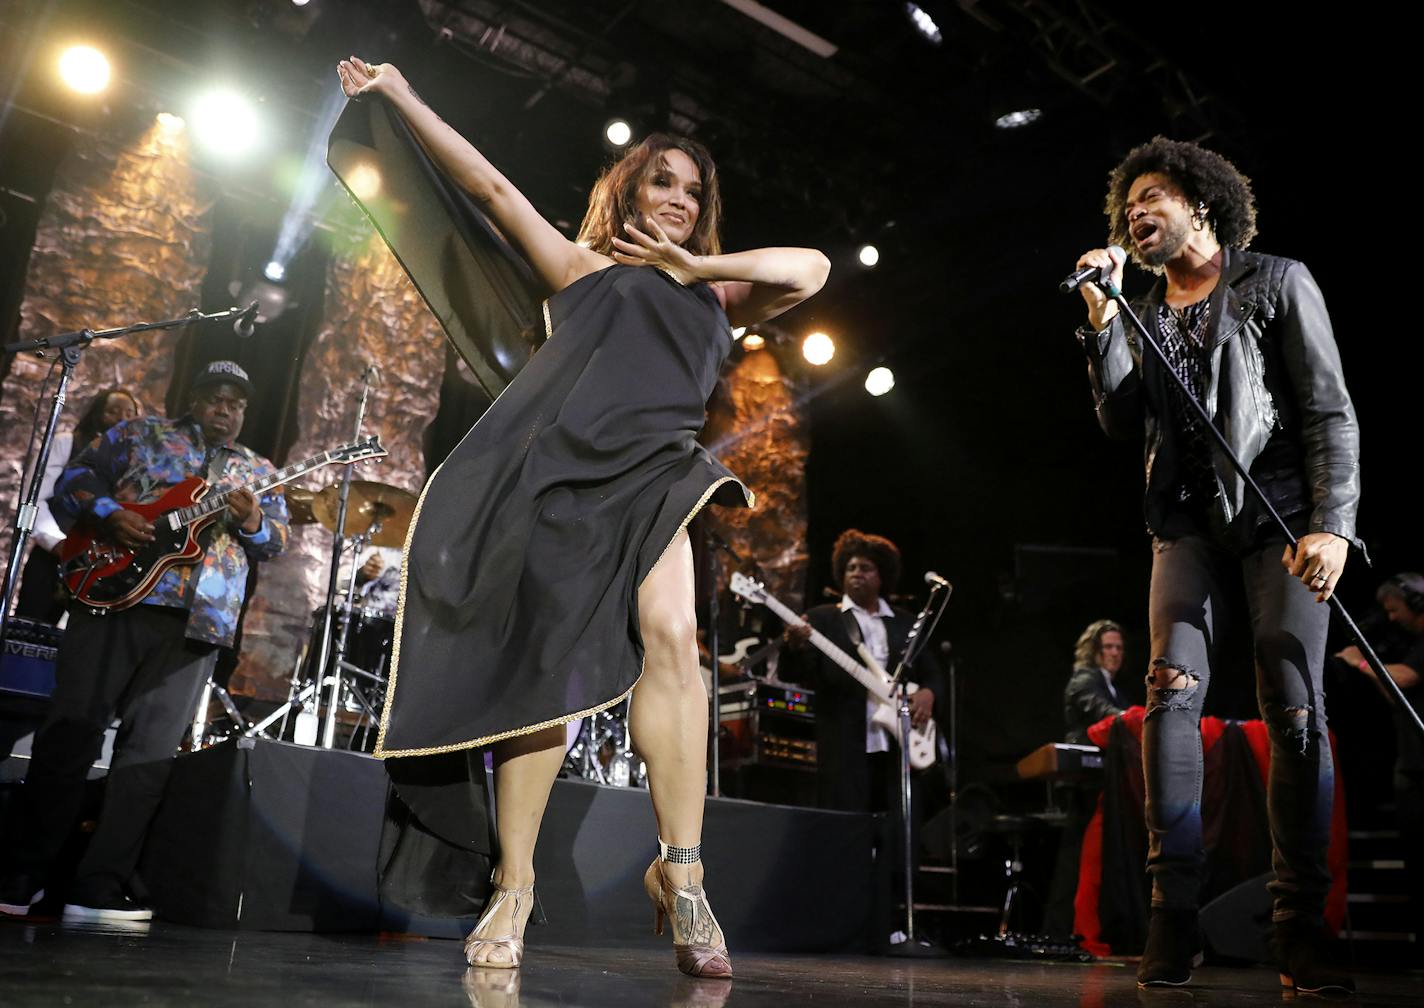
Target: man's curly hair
<point>877,549</point>
<point>1204,177</point>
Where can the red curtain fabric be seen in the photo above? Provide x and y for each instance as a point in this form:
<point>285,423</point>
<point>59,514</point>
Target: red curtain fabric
<point>1090,868</point>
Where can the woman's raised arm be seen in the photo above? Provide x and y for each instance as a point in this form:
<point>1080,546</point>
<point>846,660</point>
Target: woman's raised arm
<point>557,261</point>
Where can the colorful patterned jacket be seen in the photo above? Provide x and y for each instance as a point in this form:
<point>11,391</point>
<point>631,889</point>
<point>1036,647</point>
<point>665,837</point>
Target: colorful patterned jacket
<point>136,462</point>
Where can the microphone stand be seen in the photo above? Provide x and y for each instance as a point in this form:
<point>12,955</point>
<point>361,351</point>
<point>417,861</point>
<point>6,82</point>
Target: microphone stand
<point>338,545</point>
<point>1376,666</point>
<point>915,641</point>
<point>71,347</point>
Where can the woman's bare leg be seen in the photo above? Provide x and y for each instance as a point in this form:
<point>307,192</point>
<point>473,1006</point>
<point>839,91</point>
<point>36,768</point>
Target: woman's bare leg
<point>668,716</point>
<point>524,771</point>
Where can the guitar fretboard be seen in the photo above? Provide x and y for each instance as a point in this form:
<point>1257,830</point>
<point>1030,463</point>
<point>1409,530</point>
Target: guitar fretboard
<point>216,502</point>
<point>827,647</point>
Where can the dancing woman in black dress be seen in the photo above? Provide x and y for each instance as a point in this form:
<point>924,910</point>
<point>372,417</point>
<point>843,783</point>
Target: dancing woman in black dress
<point>548,569</point>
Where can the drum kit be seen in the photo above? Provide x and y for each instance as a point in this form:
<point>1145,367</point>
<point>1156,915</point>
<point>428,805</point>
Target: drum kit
<point>361,618</point>
<point>601,746</point>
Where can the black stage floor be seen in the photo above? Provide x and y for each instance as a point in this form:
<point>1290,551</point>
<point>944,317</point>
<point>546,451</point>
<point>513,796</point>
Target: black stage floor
<point>54,964</point>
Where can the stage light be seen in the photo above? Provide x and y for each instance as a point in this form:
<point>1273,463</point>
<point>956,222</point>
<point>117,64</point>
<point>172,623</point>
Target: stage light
<point>170,123</point>
<point>84,69</point>
<point>868,255</point>
<point>753,341</point>
<point>226,123</point>
<point>364,181</point>
<point>618,132</point>
<point>818,348</point>
<point>275,271</point>
<point>924,23</point>
<point>300,3</point>
<point>738,333</point>
<point>1021,117</point>
<point>879,381</point>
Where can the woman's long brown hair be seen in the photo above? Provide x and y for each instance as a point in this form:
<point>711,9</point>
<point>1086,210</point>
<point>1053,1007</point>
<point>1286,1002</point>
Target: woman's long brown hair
<point>614,196</point>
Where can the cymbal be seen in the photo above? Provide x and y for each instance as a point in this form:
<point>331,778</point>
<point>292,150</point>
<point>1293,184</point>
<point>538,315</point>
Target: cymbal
<point>299,505</point>
<point>369,505</point>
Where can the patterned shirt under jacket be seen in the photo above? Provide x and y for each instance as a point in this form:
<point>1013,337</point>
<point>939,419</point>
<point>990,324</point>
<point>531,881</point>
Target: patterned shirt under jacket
<point>137,461</point>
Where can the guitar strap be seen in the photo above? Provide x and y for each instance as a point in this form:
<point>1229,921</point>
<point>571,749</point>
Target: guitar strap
<point>852,628</point>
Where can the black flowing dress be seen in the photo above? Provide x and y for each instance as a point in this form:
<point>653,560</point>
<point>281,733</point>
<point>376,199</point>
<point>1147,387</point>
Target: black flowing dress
<point>518,604</point>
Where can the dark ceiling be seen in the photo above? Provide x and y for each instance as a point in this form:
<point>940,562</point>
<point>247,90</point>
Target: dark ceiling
<point>988,440</point>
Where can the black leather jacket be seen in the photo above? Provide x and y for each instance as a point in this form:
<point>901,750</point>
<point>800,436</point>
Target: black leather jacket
<point>1275,391</point>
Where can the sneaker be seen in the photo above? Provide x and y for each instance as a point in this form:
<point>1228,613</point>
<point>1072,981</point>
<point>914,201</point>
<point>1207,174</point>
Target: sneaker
<point>106,905</point>
<point>19,893</point>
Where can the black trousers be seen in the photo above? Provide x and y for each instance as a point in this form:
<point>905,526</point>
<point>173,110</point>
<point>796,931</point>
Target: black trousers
<point>1185,610</point>
<point>885,798</point>
<point>135,664</point>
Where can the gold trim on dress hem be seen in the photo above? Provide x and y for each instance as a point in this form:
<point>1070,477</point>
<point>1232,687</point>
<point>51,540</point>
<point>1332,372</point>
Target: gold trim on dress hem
<point>382,753</point>
<point>405,566</point>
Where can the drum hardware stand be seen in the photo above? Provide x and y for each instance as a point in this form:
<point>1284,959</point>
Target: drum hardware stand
<point>914,643</point>
<point>582,757</point>
<point>71,347</point>
<point>304,693</point>
<point>324,654</point>
<point>598,730</point>
<point>200,716</point>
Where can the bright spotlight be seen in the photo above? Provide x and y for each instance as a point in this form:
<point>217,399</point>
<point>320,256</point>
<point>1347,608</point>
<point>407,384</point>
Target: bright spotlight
<point>1022,117</point>
<point>924,23</point>
<point>868,255</point>
<point>618,132</point>
<point>170,123</point>
<point>300,3</point>
<point>275,271</point>
<point>226,123</point>
<point>738,332</point>
<point>753,341</point>
<point>84,69</point>
<point>879,381</point>
<point>818,348</point>
<point>364,180</point>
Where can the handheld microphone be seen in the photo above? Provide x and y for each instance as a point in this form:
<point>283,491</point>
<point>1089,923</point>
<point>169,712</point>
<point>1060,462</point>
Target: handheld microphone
<point>244,326</point>
<point>1092,274</point>
<point>935,581</point>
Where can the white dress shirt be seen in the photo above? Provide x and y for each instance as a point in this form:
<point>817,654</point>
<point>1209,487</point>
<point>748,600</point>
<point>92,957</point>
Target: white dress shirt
<point>877,642</point>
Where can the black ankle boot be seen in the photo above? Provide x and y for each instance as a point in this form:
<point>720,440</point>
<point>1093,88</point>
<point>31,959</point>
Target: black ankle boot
<point>1173,948</point>
<point>1305,954</point>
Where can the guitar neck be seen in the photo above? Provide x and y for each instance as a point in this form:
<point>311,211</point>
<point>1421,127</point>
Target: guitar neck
<point>827,647</point>
<point>216,502</point>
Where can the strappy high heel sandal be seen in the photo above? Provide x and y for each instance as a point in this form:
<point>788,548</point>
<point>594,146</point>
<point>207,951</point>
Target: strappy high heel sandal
<point>693,925</point>
<point>512,943</point>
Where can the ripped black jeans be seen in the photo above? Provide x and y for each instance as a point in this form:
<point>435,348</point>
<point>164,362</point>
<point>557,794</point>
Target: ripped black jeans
<point>1288,627</point>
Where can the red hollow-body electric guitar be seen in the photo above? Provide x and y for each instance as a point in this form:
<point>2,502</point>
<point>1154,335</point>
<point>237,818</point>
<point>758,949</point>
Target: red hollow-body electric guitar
<point>105,575</point>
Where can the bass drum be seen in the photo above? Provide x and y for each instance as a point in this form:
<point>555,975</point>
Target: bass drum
<point>368,641</point>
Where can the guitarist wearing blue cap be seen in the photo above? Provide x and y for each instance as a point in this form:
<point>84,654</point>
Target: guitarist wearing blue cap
<point>146,657</point>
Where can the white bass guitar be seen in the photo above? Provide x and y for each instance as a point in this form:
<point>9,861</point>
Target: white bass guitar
<point>923,741</point>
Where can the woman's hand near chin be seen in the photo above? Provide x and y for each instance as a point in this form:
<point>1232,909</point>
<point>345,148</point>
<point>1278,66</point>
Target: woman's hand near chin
<point>657,249</point>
